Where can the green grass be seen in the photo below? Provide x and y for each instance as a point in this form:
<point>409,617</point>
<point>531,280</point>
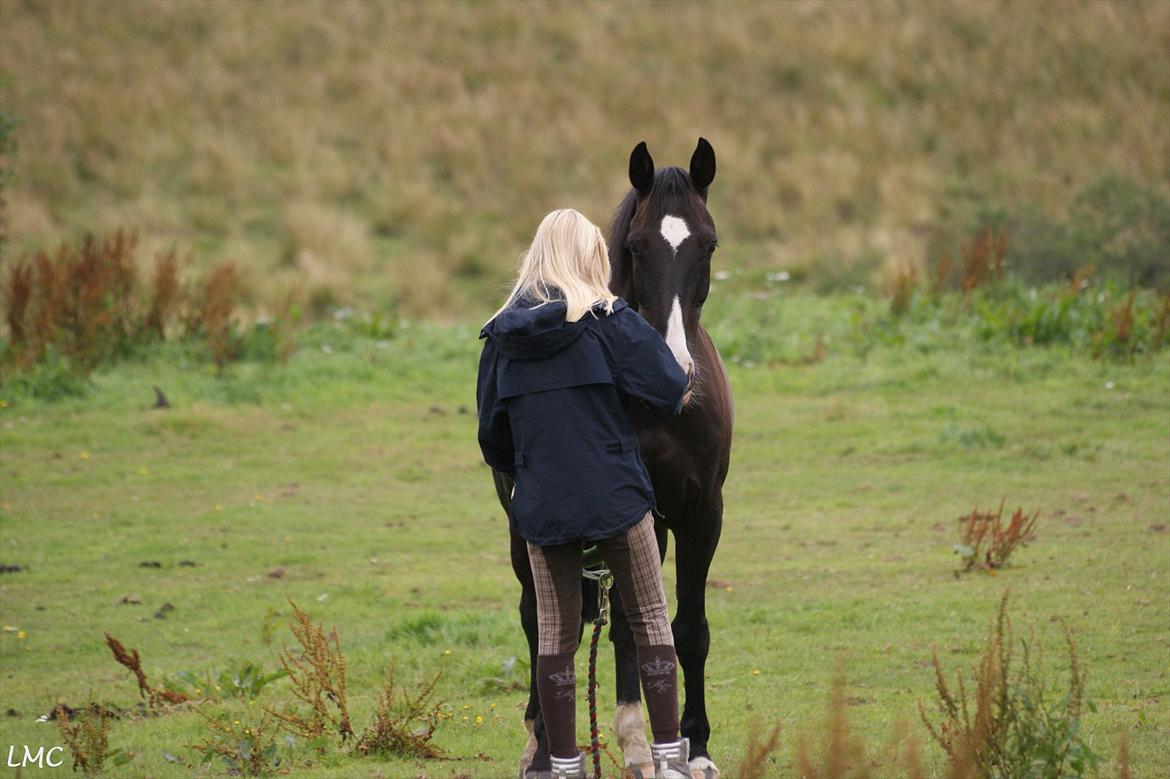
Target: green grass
<point>356,469</point>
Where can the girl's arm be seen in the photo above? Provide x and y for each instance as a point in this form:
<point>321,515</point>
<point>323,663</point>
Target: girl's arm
<point>495,429</point>
<point>644,366</point>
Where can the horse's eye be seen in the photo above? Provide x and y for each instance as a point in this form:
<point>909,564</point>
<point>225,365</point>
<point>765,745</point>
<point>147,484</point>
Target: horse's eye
<point>633,248</point>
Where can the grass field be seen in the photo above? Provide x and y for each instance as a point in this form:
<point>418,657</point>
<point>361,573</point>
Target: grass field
<point>392,159</point>
<point>355,469</point>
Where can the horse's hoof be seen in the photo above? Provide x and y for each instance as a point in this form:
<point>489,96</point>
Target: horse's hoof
<point>529,750</point>
<point>703,768</point>
<point>643,771</point>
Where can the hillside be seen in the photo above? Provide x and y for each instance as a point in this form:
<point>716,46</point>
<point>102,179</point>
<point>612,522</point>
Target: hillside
<point>381,152</point>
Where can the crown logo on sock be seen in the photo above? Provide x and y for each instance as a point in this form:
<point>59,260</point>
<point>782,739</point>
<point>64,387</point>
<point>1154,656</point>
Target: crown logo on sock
<point>658,667</point>
<point>564,677</point>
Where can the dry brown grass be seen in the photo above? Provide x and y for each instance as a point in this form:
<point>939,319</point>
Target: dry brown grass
<point>317,674</point>
<point>1009,725</point>
<point>246,744</point>
<point>88,739</point>
<point>844,753</point>
<point>389,140</point>
<point>80,301</point>
<point>759,749</point>
<point>215,306</point>
<point>18,294</point>
<point>982,261</point>
<point>284,323</point>
<point>165,296</point>
<point>903,285</point>
<point>978,739</point>
<point>404,723</point>
<point>989,542</point>
<point>843,756</point>
<point>1162,320</point>
<point>157,699</point>
<point>911,761</point>
<point>1123,320</point>
<point>90,303</point>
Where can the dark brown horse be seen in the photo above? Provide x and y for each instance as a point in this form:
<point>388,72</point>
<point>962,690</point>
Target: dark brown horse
<point>660,246</point>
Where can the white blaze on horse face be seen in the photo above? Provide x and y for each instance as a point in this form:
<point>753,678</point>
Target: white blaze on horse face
<point>675,231</point>
<point>676,338</point>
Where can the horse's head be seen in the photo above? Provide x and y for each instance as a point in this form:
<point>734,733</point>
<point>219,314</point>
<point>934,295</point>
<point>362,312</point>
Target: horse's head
<point>660,247</point>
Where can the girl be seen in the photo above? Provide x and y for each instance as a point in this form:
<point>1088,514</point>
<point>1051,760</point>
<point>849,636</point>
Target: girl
<point>560,360</point>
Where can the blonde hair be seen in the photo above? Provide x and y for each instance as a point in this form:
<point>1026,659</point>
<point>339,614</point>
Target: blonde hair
<point>567,261</point>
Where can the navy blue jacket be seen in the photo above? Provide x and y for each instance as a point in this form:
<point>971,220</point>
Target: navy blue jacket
<point>551,398</point>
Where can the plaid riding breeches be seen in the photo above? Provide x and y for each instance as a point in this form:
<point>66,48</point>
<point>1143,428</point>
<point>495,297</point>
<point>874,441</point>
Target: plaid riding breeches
<point>632,558</point>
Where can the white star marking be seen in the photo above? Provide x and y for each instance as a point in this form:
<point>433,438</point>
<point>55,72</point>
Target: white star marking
<point>675,231</point>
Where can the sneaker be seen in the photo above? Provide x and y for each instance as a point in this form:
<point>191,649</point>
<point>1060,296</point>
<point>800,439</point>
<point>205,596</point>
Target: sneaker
<point>670,759</point>
<point>562,768</point>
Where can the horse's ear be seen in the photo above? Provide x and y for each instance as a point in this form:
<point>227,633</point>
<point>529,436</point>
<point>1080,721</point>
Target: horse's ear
<point>703,167</point>
<point>641,169</point>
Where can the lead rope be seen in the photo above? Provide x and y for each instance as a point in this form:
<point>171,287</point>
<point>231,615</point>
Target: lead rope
<point>604,582</point>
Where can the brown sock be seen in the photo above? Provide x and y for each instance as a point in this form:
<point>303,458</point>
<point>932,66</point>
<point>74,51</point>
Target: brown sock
<point>556,686</point>
<point>658,667</point>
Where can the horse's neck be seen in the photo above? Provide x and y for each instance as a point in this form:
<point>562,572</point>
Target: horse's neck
<point>707,355</point>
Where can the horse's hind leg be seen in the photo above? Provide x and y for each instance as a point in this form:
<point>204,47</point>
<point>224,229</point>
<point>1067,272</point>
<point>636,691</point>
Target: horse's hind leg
<point>629,726</point>
<point>521,566</point>
<point>692,638</point>
<point>536,750</point>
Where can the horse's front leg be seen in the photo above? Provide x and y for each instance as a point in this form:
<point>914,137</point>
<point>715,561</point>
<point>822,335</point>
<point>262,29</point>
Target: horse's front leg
<point>629,724</point>
<point>696,540</point>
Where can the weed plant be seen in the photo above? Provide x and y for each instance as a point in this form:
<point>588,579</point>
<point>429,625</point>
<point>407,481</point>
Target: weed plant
<point>843,755</point>
<point>88,305</point>
<point>317,674</point>
<point>246,681</point>
<point>758,757</point>
<point>88,739</point>
<point>404,722</point>
<point>247,744</point>
<point>986,541</point>
<point>157,699</point>
<point>1113,223</point>
<point>1009,726</point>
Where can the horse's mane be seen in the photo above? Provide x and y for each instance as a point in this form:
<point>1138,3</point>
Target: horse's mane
<point>671,181</point>
<point>619,227</point>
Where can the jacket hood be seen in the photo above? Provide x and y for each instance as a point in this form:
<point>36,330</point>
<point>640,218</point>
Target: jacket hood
<point>526,330</point>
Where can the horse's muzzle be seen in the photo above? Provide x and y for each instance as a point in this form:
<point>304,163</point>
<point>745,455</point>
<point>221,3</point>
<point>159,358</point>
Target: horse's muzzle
<point>690,388</point>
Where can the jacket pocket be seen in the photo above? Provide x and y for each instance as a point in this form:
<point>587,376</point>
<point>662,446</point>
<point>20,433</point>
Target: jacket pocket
<point>622,445</point>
